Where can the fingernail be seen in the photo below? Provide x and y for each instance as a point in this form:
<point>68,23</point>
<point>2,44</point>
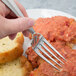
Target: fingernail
<point>31,22</point>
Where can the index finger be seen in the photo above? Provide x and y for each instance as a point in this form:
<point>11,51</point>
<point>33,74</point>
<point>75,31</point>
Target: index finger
<point>7,11</point>
<point>21,8</point>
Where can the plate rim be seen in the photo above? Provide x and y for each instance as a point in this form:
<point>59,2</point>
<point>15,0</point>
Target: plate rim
<point>40,9</point>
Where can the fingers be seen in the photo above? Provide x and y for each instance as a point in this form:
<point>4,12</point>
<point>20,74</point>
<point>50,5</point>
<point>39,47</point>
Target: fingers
<point>26,33</point>
<point>13,26</point>
<point>21,8</point>
<point>18,25</point>
<point>4,11</point>
<point>12,36</point>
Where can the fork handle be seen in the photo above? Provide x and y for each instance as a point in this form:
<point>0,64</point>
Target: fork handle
<point>12,5</point>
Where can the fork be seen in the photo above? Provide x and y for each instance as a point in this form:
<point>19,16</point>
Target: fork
<point>38,41</point>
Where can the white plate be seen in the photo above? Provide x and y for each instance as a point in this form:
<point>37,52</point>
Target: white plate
<point>36,13</point>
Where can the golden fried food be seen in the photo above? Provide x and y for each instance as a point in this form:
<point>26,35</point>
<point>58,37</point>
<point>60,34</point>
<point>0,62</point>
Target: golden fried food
<point>11,49</point>
<point>19,67</point>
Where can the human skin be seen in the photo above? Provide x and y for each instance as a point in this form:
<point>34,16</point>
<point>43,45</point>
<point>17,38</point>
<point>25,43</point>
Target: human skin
<point>10,24</point>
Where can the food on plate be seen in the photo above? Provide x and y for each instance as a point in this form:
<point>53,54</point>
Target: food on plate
<point>11,49</point>
<point>60,31</point>
<point>19,67</point>
<point>12,63</point>
<point>61,28</point>
<point>45,69</point>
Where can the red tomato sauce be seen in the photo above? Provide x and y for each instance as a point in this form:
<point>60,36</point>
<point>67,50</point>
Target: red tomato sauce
<point>58,31</point>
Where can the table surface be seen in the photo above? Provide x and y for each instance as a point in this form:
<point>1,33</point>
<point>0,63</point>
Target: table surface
<point>68,6</point>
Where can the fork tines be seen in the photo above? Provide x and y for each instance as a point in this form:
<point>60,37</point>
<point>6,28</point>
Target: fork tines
<point>40,46</point>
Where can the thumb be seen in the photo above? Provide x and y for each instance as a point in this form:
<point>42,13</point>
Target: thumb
<point>18,25</point>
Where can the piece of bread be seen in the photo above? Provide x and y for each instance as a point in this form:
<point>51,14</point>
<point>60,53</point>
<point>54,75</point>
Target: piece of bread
<point>11,49</point>
<point>18,67</point>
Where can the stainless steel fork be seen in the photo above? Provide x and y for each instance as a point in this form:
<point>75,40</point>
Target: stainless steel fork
<point>38,41</point>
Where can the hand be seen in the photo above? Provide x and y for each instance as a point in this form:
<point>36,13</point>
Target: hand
<point>10,24</point>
